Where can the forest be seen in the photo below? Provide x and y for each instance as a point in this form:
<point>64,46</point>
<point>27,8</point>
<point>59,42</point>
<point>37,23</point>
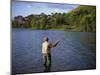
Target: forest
<point>80,19</point>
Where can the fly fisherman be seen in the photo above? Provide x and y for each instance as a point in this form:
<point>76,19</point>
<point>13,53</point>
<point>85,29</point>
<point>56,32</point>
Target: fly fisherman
<point>46,46</point>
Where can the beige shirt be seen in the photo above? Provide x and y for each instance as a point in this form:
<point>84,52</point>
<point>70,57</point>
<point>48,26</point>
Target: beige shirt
<point>45,47</point>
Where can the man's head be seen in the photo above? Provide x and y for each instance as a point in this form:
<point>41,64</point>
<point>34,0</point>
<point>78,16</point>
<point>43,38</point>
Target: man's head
<point>46,38</point>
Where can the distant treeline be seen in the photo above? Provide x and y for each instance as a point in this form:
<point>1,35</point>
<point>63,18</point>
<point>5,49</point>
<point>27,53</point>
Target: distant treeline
<point>82,18</point>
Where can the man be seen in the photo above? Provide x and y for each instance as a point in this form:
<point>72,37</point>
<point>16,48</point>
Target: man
<point>46,46</point>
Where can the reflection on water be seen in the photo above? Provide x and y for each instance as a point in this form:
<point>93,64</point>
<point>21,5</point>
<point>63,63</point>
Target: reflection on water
<point>72,53</point>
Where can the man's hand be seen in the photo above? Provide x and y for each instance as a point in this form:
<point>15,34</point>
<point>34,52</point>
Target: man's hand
<point>57,42</point>
<point>54,45</point>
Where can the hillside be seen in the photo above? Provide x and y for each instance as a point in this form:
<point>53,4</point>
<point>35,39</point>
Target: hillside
<point>83,18</point>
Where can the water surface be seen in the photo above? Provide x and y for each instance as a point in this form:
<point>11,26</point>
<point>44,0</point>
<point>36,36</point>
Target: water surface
<point>76,50</point>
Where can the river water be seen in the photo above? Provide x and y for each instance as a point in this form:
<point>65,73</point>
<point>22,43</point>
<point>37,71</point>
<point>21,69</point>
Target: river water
<point>76,50</point>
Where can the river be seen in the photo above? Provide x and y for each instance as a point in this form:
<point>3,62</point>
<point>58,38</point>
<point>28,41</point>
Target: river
<point>76,50</point>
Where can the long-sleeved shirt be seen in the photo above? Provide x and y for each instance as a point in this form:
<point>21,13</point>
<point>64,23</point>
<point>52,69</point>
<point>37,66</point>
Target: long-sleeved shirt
<point>46,47</point>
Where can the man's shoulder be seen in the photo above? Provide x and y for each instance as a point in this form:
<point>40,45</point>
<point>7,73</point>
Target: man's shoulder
<point>45,43</point>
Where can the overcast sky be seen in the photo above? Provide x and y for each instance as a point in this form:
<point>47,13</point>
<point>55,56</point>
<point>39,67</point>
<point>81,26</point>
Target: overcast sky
<point>27,8</point>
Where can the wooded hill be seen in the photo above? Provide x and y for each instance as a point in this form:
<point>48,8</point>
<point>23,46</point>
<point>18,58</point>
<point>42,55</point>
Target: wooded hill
<point>82,18</point>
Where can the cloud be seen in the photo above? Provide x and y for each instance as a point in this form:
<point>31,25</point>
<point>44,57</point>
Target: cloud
<point>62,6</point>
<point>29,6</point>
<point>26,8</point>
<point>57,10</point>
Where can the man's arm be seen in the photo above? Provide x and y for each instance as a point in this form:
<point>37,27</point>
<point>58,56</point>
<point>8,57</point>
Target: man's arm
<point>54,45</point>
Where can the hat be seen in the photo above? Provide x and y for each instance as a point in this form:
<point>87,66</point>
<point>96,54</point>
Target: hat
<point>46,38</point>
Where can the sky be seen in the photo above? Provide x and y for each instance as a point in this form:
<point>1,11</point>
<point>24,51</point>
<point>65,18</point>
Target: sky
<point>25,8</point>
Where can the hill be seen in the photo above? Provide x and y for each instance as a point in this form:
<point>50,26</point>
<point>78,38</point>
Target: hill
<point>82,18</point>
